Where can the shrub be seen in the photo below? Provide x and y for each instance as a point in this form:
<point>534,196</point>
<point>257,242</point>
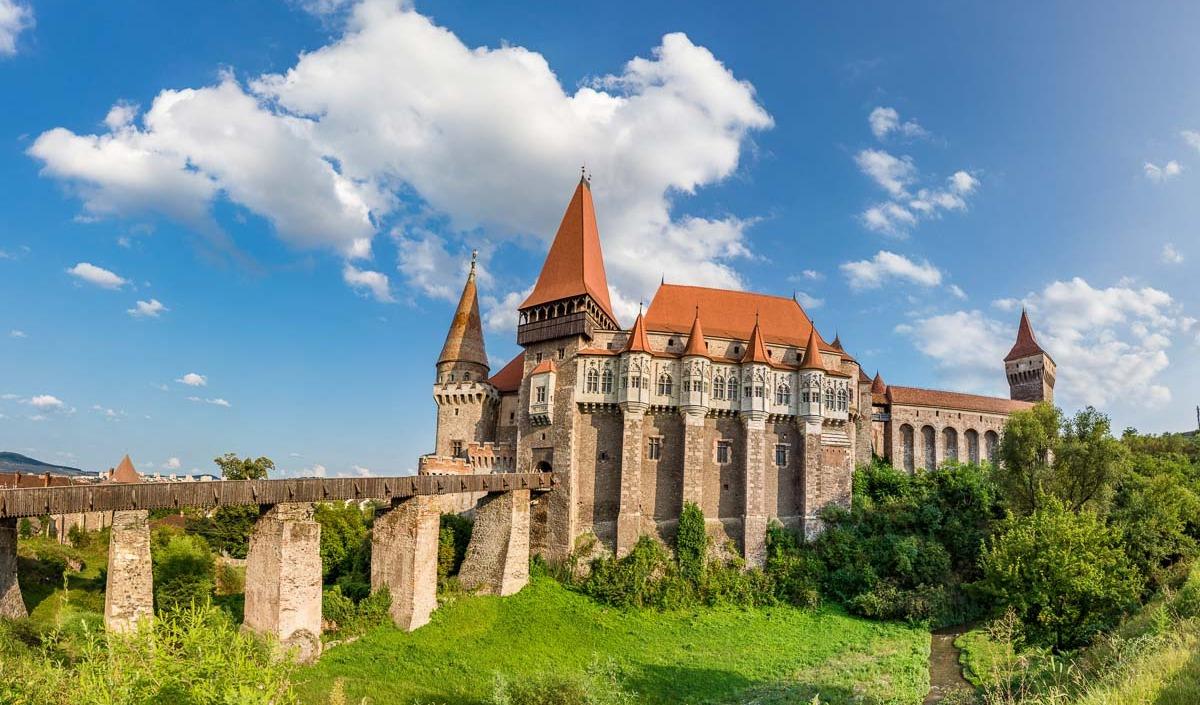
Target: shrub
<point>25,528</point>
<point>598,685</point>
<point>795,573</point>
<point>1064,574</point>
<point>454,535</point>
<point>349,617</point>
<point>79,537</point>
<point>637,580</point>
<point>345,546</point>
<point>691,543</point>
<point>184,570</point>
<point>230,579</point>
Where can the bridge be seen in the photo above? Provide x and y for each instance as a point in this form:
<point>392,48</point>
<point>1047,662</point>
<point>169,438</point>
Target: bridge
<point>283,565</point>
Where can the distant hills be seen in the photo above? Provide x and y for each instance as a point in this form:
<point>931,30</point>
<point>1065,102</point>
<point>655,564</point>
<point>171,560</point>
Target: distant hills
<point>15,462</point>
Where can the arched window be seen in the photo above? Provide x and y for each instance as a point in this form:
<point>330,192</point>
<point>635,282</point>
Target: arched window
<point>972,446</point>
<point>929,443</point>
<point>733,389</point>
<point>664,384</point>
<point>783,394</point>
<point>906,446</point>
<point>593,381</point>
<point>950,443</point>
<point>829,398</point>
<point>992,442</point>
<point>843,403</point>
<point>718,388</point>
<point>606,381</point>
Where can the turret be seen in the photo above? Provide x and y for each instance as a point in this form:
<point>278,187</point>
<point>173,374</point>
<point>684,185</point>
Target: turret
<point>635,368</point>
<point>463,355</point>
<point>756,370</point>
<point>694,394</point>
<point>1029,368</point>
<point>812,380</point>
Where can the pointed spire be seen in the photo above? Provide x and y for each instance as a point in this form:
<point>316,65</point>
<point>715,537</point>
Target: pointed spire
<point>755,350</point>
<point>696,344</point>
<point>575,263</point>
<point>812,354</point>
<point>637,337</point>
<point>464,341</point>
<point>125,472</point>
<point>837,342</point>
<point>878,386</point>
<point>1027,343</point>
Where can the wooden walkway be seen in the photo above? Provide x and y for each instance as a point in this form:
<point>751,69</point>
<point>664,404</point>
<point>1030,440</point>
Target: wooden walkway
<point>74,499</point>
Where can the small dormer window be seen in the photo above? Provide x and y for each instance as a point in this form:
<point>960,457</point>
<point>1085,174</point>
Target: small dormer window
<point>770,353</point>
<point>737,349</point>
<point>670,342</point>
<point>562,352</point>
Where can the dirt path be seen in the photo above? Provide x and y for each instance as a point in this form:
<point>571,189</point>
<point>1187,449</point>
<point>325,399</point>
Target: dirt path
<point>945,673</point>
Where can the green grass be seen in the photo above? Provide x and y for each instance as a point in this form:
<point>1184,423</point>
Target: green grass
<point>766,656</point>
<point>50,604</point>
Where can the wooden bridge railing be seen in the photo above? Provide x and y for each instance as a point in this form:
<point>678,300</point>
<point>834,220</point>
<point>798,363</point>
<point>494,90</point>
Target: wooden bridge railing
<point>74,499</point>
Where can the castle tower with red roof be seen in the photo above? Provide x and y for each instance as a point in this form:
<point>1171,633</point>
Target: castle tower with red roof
<point>1029,368</point>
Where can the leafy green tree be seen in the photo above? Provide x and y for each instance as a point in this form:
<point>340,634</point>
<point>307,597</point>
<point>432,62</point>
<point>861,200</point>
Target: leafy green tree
<point>1064,573</point>
<point>25,528</point>
<point>237,468</point>
<point>184,570</point>
<point>228,529</point>
<point>1153,514</point>
<point>691,543</point>
<point>343,537</point>
<point>1027,446</point>
<point>1089,461</point>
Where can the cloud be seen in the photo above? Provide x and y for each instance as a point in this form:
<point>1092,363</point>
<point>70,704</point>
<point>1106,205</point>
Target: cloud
<point>1110,344</point>
<point>893,174</point>
<point>885,121</point>
<point>215,402</point>
<point>808,301</point>
<point>898,216</point>
<point>15,333</point>
<point>1166,172</point>
<point>1170,255</point>
<point>398,110</point>
<point>109,414</point>
<point>45,401</point>
<point>317,470</point>
<point>147,309</point>
<point>887,266</point>
<point>361,471</point>
<point>172,464</point>
<point>956,291</point>
<point>90,273</point>
<point>374,283</point>
<point>15,17</point>
<point>500,314</point>
<point>193,379</point>
<point>1192,137</point>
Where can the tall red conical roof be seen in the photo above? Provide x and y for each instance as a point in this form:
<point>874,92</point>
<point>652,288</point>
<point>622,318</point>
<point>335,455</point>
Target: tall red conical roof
<point>877,385</point>
<point>696,344</point>
<point>755,350</point>
<point>812,354</point>
<point>464,341</point>
<point>638,342</point>
<point>1027,343</point>
<point>575,263</point>
<point>125,472</point>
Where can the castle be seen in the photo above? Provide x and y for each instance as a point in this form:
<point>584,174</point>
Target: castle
<point>728,399</point>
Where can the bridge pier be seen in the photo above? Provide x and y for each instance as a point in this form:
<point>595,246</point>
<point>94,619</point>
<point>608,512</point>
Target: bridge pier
<point>497,561</point>
<point>11,604</point>
<point>129,590</point>
<point>283,579</point>
<point>404,544</point>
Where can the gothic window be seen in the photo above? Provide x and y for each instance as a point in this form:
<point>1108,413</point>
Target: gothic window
<point>654,448</point>
<point>451,376</point>
<point>541,394</point>
<point>842,400</point>
<point>718,388</point>
<point>781,453</point>
<point>929,444</point>
<point>724,451</point>
<point>664,384</point>
<point>733,389</point>
<point>593,380</point>
<point>697,384</point>
<point>783,394</point>
<point>606,382</point>
<point>829,398</point>
<point>992,441</point>
<point>635,382</point>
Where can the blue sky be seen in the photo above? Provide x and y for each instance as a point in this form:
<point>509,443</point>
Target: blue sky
<point>185,199</point>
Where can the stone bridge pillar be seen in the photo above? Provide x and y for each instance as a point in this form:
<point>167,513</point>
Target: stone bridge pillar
<point>283,579</point>
<point>497,561</point>
<point>11,604</point>
<point>629,512</point>
<point>754,521</point>
<point>129,591</point>
<point>404,546</point>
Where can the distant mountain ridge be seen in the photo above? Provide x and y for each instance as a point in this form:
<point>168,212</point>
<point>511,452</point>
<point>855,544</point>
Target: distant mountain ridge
<point>15,462</point>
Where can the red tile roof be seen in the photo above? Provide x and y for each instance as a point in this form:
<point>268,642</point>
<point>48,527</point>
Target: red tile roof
<point>464,341</point>
<point>575,263</point>
<point>878,386</point>
<point>696,344</point>
<point>638,342</point>
<point>508,379</point>
<point>755,351</point>
<point>1027,343</point>
<point>544,366</point>
<point>730,314</point>
<point>812,354</point>
<point>125,472</point>
<point>913,396</point>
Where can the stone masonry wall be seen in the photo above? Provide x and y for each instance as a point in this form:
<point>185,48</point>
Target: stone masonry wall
<point>404,543</point>
<point>283,579</point>
<point>129,592</point>
<point>497,561</point>
<point>11,604</point>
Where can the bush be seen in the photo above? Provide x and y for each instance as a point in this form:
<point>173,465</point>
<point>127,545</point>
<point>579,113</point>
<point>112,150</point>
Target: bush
<point>184,571</point>
<point>79,537</point>
<point>345,546</point>
<point>796,573</point>
<point>230,579</point>
<point>1064,574</point>
<point>598,685</point>
<point>25,528</point>
<point>454,535</point>
<point>691,543</point>
<point>349,617</point>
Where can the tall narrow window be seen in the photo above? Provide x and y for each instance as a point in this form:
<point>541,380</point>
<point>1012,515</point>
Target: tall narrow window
<point>829,398</point>
<point>718,388</point>
<point>758,391</point>
<point>606,382</point>
<point>783,394</point>
<point>541,394</point>
<point>781,453</point>
<point>593,381</point>
<point>842,400</point>
<point>697,385</point>
<point>724,451</point>
<point>654,448</point>
<point>456,448</point>
<point>664,384</point>
<point>733,389</point>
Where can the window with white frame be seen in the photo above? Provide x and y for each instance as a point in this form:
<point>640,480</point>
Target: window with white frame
<point>664,384</point>
<point>718,388</point>
<point>540,394</point>
<point>606,381</point>
<point>783,394</point>
<point>593,381</point>
<point>654,448</point>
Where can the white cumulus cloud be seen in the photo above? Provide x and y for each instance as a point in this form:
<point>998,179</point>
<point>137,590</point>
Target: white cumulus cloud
<point>887,266</point>
<point>172,464</point>
<point>885,121</point>
<point>215,402</point>
<point>1166,172</point>
<point>193,379</point>
<point>147,309</point>
<point>1170,255</point>
<point>45,401</point>
<point>15,17</point>
<point>484,137</point>
<point>90,273</point>
<point>374,283</point>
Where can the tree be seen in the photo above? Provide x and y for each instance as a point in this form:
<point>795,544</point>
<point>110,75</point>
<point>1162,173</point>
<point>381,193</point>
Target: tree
<point>1089,461</point>
<point>184,570</point>
<point>235,468</point>
<point>1027,447</point>
<point>1064,573</point>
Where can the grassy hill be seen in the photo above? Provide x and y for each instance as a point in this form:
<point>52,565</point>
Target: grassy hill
<point>768,656</point>
<point>15,462</point>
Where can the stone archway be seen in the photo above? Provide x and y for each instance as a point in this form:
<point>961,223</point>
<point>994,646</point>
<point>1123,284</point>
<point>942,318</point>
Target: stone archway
<point>907,451</point>
<point>972,437</point>
<point>949,444</point>
<point>929,446</point>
